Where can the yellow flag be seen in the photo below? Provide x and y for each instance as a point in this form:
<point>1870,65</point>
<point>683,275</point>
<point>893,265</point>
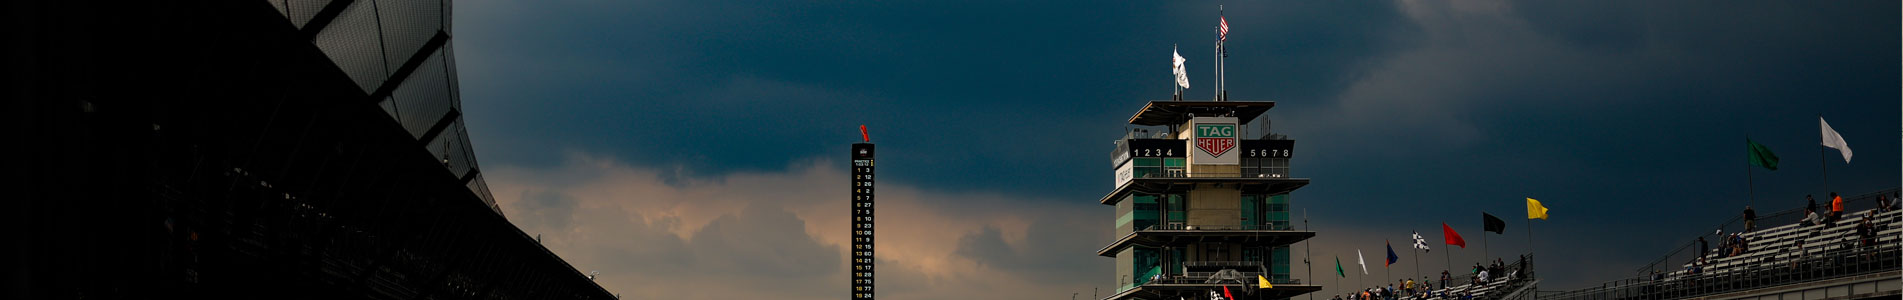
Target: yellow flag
<point>1263,282</point>
<point>1534,210</point>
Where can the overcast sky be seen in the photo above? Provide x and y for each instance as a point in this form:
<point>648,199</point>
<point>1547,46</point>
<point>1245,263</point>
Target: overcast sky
<point>697,149</point>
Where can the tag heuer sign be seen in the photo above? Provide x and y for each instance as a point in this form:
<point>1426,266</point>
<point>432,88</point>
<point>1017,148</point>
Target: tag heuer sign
<point>1216,139</point>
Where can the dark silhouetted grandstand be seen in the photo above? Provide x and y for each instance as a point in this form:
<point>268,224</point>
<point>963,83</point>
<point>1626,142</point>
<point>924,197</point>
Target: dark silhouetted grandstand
<point>1516,282</point>
<point>274,149</point>
<point>1782,260</point>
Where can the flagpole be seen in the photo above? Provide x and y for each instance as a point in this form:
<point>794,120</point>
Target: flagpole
<point>1529,246</point>
<point>1750,187</point>
<point>1823,164</point>
<point>1417,262</point>
<point>1529,236</point>
<point>1484,249</point>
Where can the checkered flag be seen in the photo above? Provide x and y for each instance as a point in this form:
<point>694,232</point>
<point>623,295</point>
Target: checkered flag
<point>1421,243</point>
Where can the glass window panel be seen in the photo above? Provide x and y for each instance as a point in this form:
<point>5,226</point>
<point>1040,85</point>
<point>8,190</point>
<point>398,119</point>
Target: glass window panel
<point>423,97</point>
<point>1173,162</point>
<point>406,26</point>
<point>301,11</point>
<point>1147,161</point>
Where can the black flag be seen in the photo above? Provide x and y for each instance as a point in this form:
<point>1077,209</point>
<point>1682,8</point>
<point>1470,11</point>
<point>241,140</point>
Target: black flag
<point>1494,224</point>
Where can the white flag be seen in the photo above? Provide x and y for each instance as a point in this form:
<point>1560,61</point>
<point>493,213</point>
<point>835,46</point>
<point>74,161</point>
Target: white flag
<point>1176,65</point>
<point>1833,140</point>
<point>1363,262</point>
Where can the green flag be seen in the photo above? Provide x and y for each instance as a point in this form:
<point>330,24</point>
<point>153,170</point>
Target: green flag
<point>1338,271</point>
<point>1760,156</point>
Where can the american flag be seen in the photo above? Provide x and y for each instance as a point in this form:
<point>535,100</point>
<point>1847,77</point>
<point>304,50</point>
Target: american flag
<point>1222,32</point>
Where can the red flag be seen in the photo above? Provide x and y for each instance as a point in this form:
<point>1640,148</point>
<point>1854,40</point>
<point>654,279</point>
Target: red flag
<point>863,135</point>
<point>1225,293</point>
<point>1453,238</point>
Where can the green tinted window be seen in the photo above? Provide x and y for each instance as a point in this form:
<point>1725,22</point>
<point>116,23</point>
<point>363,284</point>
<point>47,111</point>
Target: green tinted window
<point>1277,211</point>
<point>1145,264</point>
<point>1250,214</point>
<point>1279,264</point>
<point>1173,162</point>
<point>1147,161</point>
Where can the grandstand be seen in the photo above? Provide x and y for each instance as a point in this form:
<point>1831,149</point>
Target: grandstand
<point>1517,280</point>
<point>1782,260</point>
<point>1785,260</point>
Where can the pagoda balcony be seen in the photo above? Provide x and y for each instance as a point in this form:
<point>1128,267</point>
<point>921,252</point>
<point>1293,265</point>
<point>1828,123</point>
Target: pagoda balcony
<point>1183,182</point>
<point>1161,235</point>
<point>1194,284</point>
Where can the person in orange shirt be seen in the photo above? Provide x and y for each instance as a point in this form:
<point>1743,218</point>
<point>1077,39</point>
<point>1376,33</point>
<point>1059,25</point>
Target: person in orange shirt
<point>1836,207</point>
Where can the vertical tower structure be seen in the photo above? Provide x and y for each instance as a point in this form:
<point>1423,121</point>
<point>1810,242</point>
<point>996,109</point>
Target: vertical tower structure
<point>862,220</point>
<point>1200,208</point>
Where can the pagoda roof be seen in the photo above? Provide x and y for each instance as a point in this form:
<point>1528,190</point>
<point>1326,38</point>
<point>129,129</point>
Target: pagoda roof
<point>1165,112</point>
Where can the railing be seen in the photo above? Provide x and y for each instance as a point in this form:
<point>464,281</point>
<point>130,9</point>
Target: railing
<point>1683,252</point>
<point>1270,226</point>
<point>1194,264</point>
<point>1279,172</point>
<point>1846,262</point>
<point>1203,277</point>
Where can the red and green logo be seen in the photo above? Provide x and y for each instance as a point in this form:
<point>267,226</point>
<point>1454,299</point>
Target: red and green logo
<point>1216,139</point>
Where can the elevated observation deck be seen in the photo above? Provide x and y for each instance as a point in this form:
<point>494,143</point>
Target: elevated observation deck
<point>1162,183</point>
<point>1171,234</point>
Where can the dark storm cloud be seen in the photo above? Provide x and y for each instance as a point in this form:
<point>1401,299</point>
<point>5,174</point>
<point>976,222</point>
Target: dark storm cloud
<point>957,88</point>
<point>1052,253</point>
<point>1635,112</point>
<point>1407,114</point>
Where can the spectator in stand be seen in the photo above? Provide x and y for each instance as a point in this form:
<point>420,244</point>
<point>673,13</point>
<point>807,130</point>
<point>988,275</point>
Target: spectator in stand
<point>1750,219</point>
<point>1703,248</point>
<point>1866,231</point>
<point>1883,203</point>
<point>1445,278</point>
<point>1813,203</point>
<point>1836,209</point>
<point>1523,263</point>
<point>1482,278</point>
<point>1810,218</point>
<point>1495,270</point>
<point>1409,286</point>
<point>1724,245</point>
